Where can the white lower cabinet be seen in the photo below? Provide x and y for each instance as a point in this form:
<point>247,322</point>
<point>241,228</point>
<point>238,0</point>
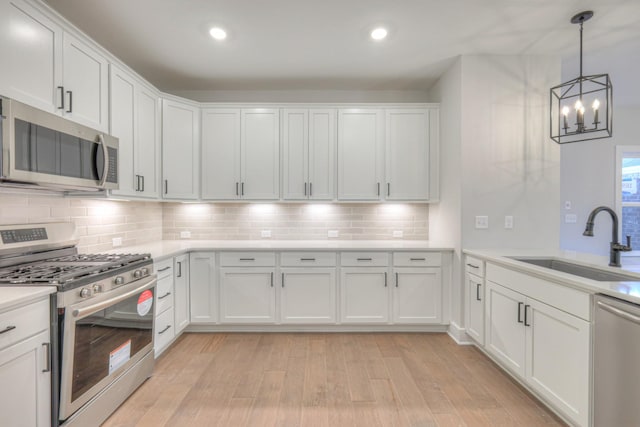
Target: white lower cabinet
<point>165,331</point>
<point>165,326</point>
<point>308,295</point>
<point>547,348</point>
<point>474,316</point>
<point>181,294</point>
<point>417,295</point>
<point>364,295</point>
<point>203,293</point>
<point>247,295</point>
<point>25,375</point>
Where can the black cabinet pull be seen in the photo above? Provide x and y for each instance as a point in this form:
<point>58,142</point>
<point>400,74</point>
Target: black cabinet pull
<point>305,188</point>
<point>478,292</point>
<point>164,269</point>
<point>397,281</point>
<point>166,186</point>
<point>378,189</point>
<point>7,329</point>
<point>385,279</point>
<point>472,266</point>
<point>142,176</point>
<point>137,182</point>
<point>417,259</point>
<point>307,259</point>
<point>520,304</point>
<point>164,330</point>
<point>388,188</point>
<point>283,280</point>
<point>179,268</point>
<point>272,279</point>
<point>61,88</point>
<point>247,259</point>
<point>70,110</point>
<point>237,193</point>
<point>242,189</point>
<point>311,191</point>
<point>165,295</point>
<point>363,259</point>
<point>526,323</point>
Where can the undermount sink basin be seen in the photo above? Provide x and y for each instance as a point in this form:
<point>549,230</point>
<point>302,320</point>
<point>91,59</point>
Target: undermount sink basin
<point>579,270</point>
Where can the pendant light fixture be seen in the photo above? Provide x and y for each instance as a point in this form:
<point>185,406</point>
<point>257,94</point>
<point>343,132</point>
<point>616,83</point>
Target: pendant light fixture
<point>581,109</point>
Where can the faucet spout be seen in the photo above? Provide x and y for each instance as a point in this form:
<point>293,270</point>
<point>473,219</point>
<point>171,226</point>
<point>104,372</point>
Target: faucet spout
<point>615,246</point>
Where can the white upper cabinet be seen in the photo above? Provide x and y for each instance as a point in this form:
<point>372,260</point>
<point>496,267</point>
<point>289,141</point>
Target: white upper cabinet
<point>180,150</point>
<point>360,141</point>
<point>240,154</point>
<point>134,112</point>
<point>308,143</point>
<point>221,154</point>
<point>85,83</point>
<point>31,46</point>
<point>407,154</point>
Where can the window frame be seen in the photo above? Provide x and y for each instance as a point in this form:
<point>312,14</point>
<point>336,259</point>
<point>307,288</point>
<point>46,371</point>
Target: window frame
<point>623,151</point>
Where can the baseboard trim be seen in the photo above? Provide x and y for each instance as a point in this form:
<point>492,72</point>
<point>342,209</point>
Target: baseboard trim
<point>459,335</point>
<point>317,328</point>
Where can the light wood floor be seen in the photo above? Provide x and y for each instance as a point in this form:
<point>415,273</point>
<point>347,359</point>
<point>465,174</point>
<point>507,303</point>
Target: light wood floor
<point>328,380</point>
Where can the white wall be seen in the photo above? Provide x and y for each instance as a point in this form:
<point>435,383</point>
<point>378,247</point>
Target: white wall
<point>588,168</point>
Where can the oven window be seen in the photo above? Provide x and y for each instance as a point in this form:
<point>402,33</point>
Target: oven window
<point>108,339</point>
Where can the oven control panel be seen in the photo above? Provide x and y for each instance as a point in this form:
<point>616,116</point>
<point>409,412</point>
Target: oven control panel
<point>23,235</point>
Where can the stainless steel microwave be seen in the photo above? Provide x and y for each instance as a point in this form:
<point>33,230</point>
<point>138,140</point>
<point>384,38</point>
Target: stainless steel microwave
<point>40,148</point>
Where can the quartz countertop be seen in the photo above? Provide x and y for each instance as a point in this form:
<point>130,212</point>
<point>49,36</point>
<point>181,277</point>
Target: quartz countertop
<point>627,290</point>
<point>168,248</point>
<point>13,296</point>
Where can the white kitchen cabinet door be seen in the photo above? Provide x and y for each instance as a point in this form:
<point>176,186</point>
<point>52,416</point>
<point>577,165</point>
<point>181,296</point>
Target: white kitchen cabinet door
<point>360,136</point>
<point>558,359</point>
<point>164,331</point>
<point>504,327</point>
<point>417,295</point>
<point>181,292</point>
<point>147,153</point>
<point>364,295</point>
<point>322,154</point>
<point>85,80</point>
<point>295,154</point>
<point>474,319</point>
<point>220,154</point>
<point>25,395</point>
<point>180,150</point>
<point>260,154</point>
<point>407,154</point>
<point>122,91</point>
<point>308,295</point>
<point>203,287</point>
<point>31,49</point>
<point>247,295</point>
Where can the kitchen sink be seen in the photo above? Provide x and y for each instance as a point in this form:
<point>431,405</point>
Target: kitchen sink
<point>579,270</point>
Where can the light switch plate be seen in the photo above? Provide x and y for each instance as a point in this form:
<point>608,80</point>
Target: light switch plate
<point>185,234</point>
<point>265,234</point>
<point>332,233</point>
<point>508,222</point>
<point>398,233</point>
<point>482,221</point>
<point>117,241</point>
<point>570,218</point>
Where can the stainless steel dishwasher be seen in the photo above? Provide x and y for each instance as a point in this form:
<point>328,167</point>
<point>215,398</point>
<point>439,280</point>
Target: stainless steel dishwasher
<point>616,357</point>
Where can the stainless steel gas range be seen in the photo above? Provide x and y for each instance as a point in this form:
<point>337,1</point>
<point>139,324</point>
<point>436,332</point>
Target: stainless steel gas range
<point>102,317</point>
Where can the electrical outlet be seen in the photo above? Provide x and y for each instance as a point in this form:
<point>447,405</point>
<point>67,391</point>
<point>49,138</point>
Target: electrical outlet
<point>508,222</point>
<point>570,218</point>
<point>567,205</point>
<point>117,241</point>
<point>185,234</point>
<point>265,234</point>
<point>332,233</point>
<point>398,233</point>
<point>482,221</point>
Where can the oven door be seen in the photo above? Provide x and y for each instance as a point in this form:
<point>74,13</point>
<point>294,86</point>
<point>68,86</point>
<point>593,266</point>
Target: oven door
<point>102,338</point>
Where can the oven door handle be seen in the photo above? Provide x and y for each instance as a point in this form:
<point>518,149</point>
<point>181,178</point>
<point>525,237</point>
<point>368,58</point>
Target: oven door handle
<point>86,311</point>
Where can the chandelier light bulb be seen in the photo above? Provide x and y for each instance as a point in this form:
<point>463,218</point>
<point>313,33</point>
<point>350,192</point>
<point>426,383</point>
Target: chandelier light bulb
<point>578,105</point>
<point>595,105</point>
<point>565,111</point>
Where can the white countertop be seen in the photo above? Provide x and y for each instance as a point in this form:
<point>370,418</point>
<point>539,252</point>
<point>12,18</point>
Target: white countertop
<point>13,296</point>
<point>169,248</point>
<point>628,291</point>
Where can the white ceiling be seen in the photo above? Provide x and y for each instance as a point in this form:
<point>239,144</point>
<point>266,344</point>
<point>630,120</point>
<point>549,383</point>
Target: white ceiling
<point>325,44</point>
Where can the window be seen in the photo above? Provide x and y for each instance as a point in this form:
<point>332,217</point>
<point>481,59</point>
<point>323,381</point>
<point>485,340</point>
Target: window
<point>628,193</point>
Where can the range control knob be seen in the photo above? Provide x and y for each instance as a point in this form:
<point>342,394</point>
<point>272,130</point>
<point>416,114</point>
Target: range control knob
<point>137,274</point>
<point>97,289</point>
<point>85,293</point>
<point>145,271</point>
<point>119,280</point>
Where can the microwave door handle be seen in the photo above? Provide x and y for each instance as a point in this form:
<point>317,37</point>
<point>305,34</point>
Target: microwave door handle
<point>105,153</point>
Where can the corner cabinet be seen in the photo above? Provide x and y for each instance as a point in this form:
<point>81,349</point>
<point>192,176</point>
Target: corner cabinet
<point>240,154</point>
<point>474,298</point>
<point>203,288</point>
<point>360,154</point>
<point>180,150</point>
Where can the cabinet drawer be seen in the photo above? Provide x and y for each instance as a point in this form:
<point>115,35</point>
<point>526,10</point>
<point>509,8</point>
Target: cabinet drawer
<point>474,266</point>
<point>308,259</point>
<point>247,259</point>
<point>364,259</point>
<point>164,330</point>
<point>164,294</point>
<point>164,268</point>
<point>23,322</point>
<point>417,259</point>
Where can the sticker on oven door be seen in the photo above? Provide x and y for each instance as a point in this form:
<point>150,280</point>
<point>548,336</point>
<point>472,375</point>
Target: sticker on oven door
<point>119,356</point>
<point>145,301</point>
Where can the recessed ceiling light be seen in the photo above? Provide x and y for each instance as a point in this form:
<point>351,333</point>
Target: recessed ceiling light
<point>379,33</point>
<point>218,33</point>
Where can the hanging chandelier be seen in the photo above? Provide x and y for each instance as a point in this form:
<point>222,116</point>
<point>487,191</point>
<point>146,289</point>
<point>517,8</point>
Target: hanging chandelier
<point>581,109</point>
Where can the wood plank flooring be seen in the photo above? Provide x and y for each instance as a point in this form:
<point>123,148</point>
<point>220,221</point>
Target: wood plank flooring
<point>328,380</point>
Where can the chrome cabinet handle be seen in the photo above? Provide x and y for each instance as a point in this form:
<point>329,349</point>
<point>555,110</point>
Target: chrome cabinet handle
<point>520,304</point>
<point>397,281</point>
<point>164,330</point>
<point>525,315</point>
<point>478,292</point>
<point>165,295</point>
<point>164,269</point>
<point>7,329</point>
<point>47,356</point>
<point>61,88</point>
